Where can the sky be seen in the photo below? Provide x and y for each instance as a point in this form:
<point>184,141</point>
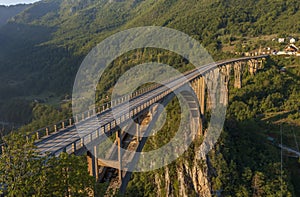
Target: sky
<point>13,2</point>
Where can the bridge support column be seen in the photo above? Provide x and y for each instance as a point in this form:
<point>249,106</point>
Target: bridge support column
<point>199,89</point>
<point>202,95</point>
<point>93,163</point>
<point>201,99</point>
<point>237,74</point>
<point>253,66</point>
<point>96,167</point>
<point>90,163</point>
<point>202,103</point>
<point>260,64</point>
<point>209,85</point>
<point>138,130</point>
<point>118,138</point>
<point>212,80</point>
<point>225,76</point>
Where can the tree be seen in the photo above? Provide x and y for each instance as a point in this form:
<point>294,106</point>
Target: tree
<point>23,172</point>
<point>68,175</point>
<point>257,184</point>
<point>242,191</point>
<point>21,168</point>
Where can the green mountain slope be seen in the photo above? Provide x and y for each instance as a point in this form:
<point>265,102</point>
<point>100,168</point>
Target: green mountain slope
<point>42,48</point>
<point>7,12</point>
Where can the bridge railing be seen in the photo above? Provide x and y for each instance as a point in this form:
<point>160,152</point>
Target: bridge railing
<point>45,131</point>
<point>62,125</point>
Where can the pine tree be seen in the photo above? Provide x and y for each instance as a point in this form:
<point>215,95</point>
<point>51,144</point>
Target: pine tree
<point>257,184</point>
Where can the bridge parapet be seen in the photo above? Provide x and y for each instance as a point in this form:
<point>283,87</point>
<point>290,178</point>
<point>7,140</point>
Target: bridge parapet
<point>61,125</point>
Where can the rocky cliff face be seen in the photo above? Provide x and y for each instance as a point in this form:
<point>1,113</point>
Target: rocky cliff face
<point>190,179</point>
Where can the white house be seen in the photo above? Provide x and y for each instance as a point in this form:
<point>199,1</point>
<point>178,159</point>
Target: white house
<point>292,40</point>
<point>281,40</point>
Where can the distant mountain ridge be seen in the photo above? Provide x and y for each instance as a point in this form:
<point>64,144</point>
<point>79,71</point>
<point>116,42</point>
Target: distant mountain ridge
<point>7,12</point>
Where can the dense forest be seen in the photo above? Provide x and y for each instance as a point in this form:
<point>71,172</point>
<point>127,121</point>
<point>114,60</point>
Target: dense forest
<point>48,40</point>
<point>43,46</point>
<point>244,162</point>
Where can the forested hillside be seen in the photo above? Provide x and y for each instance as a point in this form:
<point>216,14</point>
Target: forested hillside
<point>244,162</point>
<point>7,12</point>
<point>47,42</point>
<point>43,46</point>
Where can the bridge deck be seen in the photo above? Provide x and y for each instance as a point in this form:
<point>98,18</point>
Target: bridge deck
<point>63,139</point>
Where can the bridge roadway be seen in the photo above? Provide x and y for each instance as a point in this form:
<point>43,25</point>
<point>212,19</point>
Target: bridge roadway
<point>68,139</point>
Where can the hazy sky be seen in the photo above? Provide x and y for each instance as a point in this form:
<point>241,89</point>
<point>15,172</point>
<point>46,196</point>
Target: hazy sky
<point>13,2</point>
